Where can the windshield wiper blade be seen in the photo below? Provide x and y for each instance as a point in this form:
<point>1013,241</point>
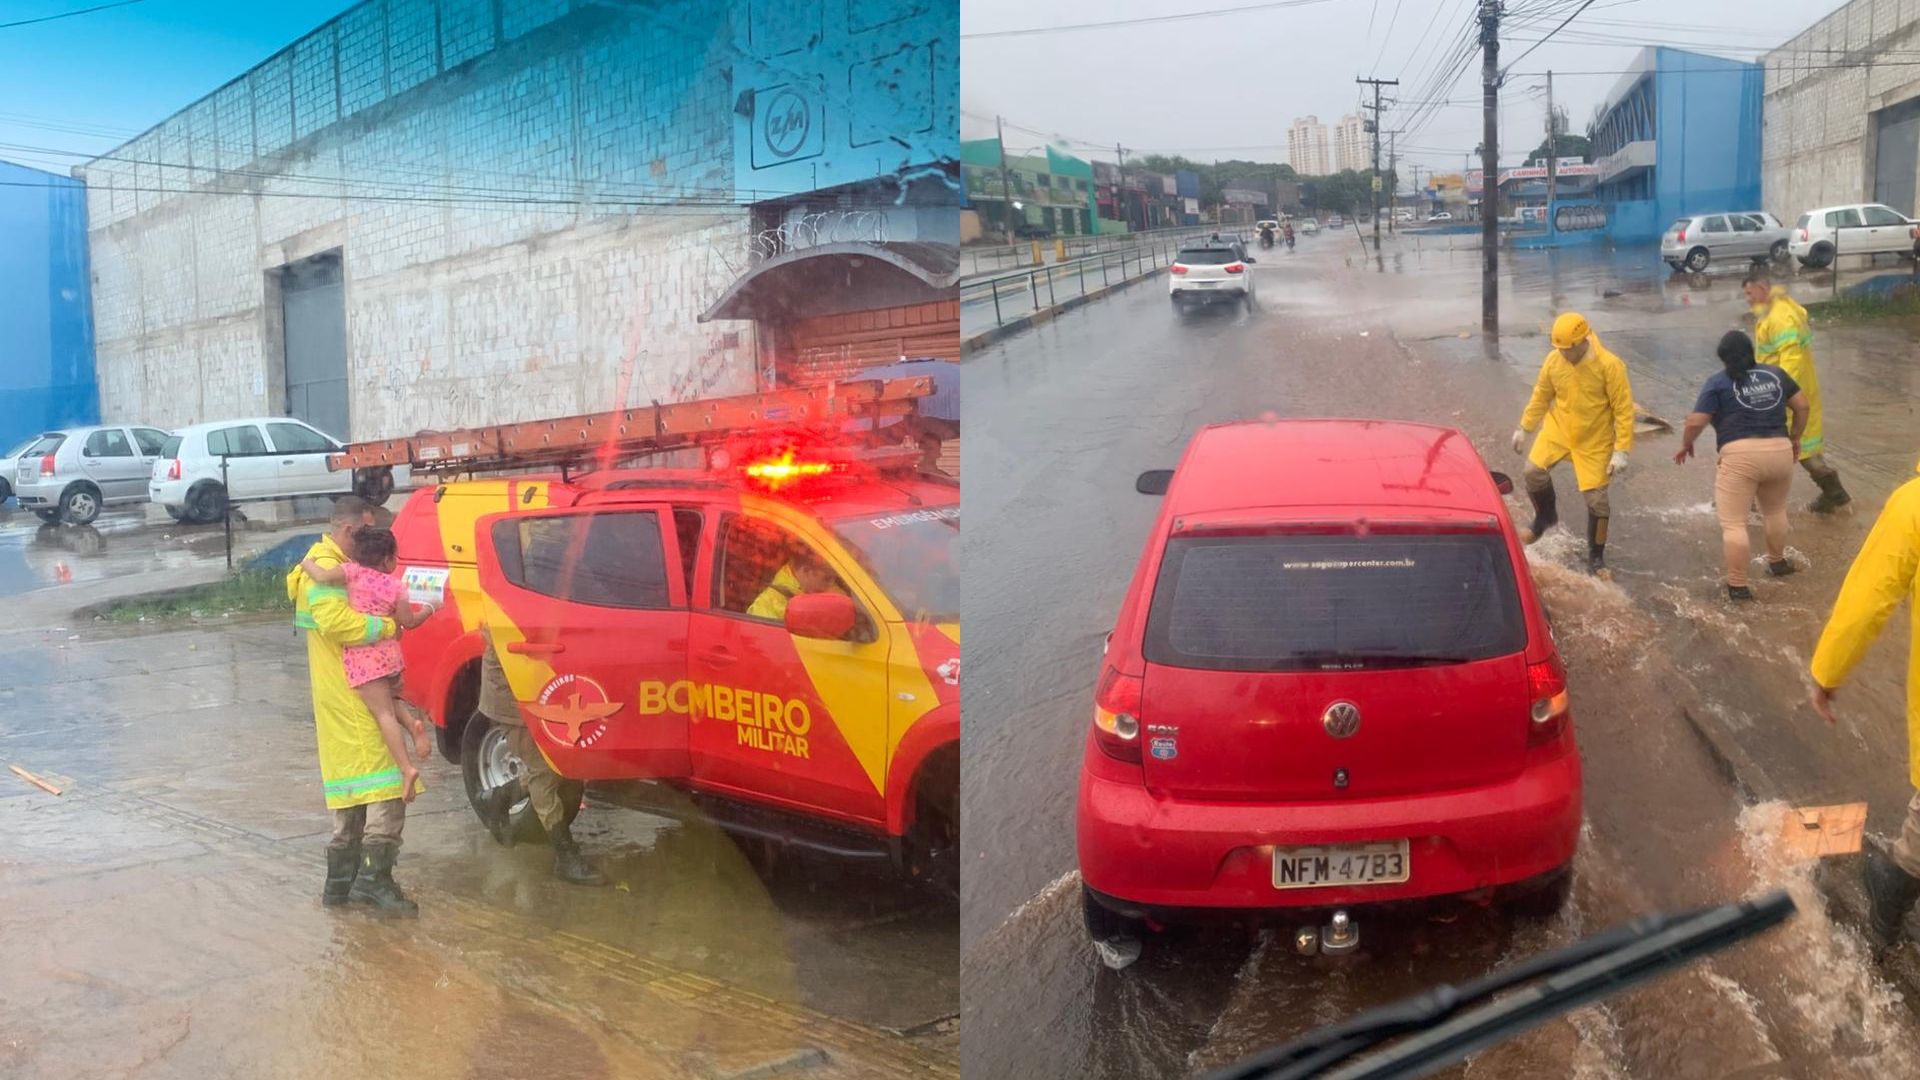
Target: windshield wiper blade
<point>1443,1025</point>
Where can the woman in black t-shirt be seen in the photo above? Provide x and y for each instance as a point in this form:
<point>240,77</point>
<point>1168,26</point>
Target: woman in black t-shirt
<point>1757,412</point>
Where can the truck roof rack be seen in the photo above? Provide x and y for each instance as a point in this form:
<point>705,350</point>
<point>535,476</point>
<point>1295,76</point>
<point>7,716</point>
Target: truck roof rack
<point>606,438</point>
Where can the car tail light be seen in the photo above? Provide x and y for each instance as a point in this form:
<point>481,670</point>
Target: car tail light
<point>1682,238</point>
<point>1803,235</point>
<point>1178,269</point>
<point>1235,268</point>
<point>46,465</point>
<point>1547,689</point>
<point>173,470</point>
<point>1116,715</point>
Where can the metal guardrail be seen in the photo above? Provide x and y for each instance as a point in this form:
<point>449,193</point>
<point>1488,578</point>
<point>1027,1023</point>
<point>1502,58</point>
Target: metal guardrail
<point>1022,292</point>
<point>990,259</point>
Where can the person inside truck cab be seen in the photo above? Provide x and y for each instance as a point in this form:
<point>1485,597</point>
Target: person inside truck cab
<point>804,572</point>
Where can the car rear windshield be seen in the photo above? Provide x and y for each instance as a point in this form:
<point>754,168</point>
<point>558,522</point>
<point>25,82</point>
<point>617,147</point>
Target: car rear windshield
<point>1207,256</point>
<point>1680,224</point>
<point>48,444</point>
<point>1315,602</point>
<point>1802,223</point>
<point>170,448</point>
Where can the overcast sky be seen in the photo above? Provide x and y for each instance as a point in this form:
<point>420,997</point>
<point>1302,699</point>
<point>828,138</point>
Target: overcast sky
<point>1229,86</point>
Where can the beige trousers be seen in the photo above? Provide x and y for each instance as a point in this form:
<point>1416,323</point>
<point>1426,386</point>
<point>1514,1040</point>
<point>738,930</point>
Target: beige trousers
<point>1749,470</point>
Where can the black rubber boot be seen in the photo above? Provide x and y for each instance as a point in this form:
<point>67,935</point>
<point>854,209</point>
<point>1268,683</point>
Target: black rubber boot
<point>497,812</point>
<point>568,864</point>
<point>1832,496</point>
<point>1545,515</point>
<point>1739,593</point>
<point>1891,892</point>
<point>1781,568</point>
<point>1597,548</point>
<point>343,863</point>
<point>375,885</point>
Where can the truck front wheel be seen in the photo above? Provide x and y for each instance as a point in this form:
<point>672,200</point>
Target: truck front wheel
<point>487,763</point>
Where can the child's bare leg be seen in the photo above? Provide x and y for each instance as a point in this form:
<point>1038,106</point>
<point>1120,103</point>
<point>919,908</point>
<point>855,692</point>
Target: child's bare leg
<point>415,719</point>
<point>379,698</point>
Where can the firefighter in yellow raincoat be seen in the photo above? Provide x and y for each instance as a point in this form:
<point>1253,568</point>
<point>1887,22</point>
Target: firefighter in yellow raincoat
<point>1781,337</point>
<point>362,776</point>
<point>1883,574</point>
<point>1583,408</point>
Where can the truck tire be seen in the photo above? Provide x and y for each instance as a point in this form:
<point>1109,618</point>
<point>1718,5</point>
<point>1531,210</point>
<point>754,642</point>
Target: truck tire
<point>932,843</point>
<point>486,762</point>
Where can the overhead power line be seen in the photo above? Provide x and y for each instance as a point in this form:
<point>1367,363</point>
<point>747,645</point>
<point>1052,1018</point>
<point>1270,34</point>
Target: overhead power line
<point>67,14</point>
<point>1144,20</point>
<point>1563,25</point>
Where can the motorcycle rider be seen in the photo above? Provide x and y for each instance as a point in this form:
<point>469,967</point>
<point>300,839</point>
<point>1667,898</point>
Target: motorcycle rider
<point>1266,235</point>
<point>1289,228</point>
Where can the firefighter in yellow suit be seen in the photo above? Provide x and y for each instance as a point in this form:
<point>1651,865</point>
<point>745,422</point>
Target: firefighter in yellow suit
<point>361,776</point>
<point>1583,408</point>
<point>1883,574</point>
<point>1782,337</point>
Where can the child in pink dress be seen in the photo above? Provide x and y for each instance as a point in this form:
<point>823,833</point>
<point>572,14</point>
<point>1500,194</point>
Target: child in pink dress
<point>374,670</point>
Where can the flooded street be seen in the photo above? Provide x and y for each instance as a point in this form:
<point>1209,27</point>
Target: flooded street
<point>162,914</point>
<point>1690,713</point>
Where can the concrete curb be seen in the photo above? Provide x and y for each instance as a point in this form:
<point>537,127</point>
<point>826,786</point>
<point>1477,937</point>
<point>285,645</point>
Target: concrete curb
<point>971,345</point>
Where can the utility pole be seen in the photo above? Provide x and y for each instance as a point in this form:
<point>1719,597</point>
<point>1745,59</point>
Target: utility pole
<point>1006,181</point>
<point>1375,186</point>
<point>1490,166</point>
<point>1553,148</point>
<point>1120,195</point>
<point>1393,169</point>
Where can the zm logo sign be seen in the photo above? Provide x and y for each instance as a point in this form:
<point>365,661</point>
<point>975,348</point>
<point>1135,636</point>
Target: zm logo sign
<point>762,721</point>
<point>785,122</point>
<point>577,706</point>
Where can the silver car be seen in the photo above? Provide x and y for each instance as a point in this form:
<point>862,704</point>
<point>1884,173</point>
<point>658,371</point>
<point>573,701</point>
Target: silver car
<point>1693,243</point>
<point>71,474</point>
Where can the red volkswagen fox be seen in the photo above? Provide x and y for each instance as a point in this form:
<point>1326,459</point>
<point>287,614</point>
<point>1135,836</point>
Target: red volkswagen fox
<point>1331,683</point>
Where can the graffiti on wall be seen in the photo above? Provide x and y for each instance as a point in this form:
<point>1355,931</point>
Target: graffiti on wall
<point>1579,217</point>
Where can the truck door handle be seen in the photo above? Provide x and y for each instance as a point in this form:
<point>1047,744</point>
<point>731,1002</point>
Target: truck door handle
<point>718,657</point>
<point>536,648</point>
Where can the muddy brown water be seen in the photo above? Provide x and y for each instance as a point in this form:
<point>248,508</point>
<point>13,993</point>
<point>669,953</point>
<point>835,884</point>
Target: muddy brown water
<point>1071,411</point>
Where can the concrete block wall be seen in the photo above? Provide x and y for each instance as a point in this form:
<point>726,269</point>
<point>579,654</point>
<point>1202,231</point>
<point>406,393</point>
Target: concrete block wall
<point>533,201</point>
<point>1822,88</point>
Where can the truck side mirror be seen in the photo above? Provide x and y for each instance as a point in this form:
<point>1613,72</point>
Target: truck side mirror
<point>828,615</point>
<point>1154,482</point>
<point>1503,483</point>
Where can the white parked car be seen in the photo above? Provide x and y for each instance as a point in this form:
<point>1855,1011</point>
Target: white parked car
<point>1856,229</point>
<point>1307,227</point>
<point>1441,216</point>
<point>268,457</point>
<point>73,473</point>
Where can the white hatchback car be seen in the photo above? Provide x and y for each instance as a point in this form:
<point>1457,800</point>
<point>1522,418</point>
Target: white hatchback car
<point>268,457</point>
<point>1856,229</point>
<point>1208,272</point>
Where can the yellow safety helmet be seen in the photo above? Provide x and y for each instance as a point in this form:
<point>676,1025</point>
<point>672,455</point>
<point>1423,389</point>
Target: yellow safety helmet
<point>1570,329</point>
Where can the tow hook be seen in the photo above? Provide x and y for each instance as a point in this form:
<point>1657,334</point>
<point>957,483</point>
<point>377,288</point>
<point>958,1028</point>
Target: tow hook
<point>1340,935</point>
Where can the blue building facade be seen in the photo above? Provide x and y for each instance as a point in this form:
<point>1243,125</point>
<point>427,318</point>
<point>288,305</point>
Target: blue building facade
<point>1679,134</point>
<point>46,320</point>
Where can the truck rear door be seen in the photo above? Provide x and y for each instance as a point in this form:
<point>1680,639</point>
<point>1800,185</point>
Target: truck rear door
<point>588,610</point>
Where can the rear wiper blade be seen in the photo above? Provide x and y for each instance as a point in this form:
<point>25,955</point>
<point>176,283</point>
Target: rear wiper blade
<point>1442,1026</point>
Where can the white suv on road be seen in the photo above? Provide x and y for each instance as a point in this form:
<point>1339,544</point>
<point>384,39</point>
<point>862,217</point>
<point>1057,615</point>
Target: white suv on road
<point>1210,271</point>
<point>269,457</point>
<point>1856,229</point>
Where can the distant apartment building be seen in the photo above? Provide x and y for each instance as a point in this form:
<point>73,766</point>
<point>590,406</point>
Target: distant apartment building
<point>1351,149</point>
<point>1307,147</point>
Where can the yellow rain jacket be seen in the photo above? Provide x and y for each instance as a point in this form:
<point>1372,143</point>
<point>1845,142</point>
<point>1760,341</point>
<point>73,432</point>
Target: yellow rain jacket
<point>1781,337</point>
<point>354,763</point>
<point>1882,575</point>
<point>1588,413</point>
<point>772,601</point>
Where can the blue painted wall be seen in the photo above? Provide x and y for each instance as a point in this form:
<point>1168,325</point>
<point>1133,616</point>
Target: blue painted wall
<point>46,311</point>
<point>1706,144</point>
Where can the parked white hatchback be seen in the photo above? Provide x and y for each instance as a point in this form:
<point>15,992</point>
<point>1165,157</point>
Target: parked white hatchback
<point>1858,229</point>
<point>269,457</point>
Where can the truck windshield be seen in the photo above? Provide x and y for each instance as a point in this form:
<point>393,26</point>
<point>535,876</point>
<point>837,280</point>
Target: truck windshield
<point>911,555</point>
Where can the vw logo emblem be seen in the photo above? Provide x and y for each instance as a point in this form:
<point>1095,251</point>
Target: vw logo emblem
<point>1341,719</point>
